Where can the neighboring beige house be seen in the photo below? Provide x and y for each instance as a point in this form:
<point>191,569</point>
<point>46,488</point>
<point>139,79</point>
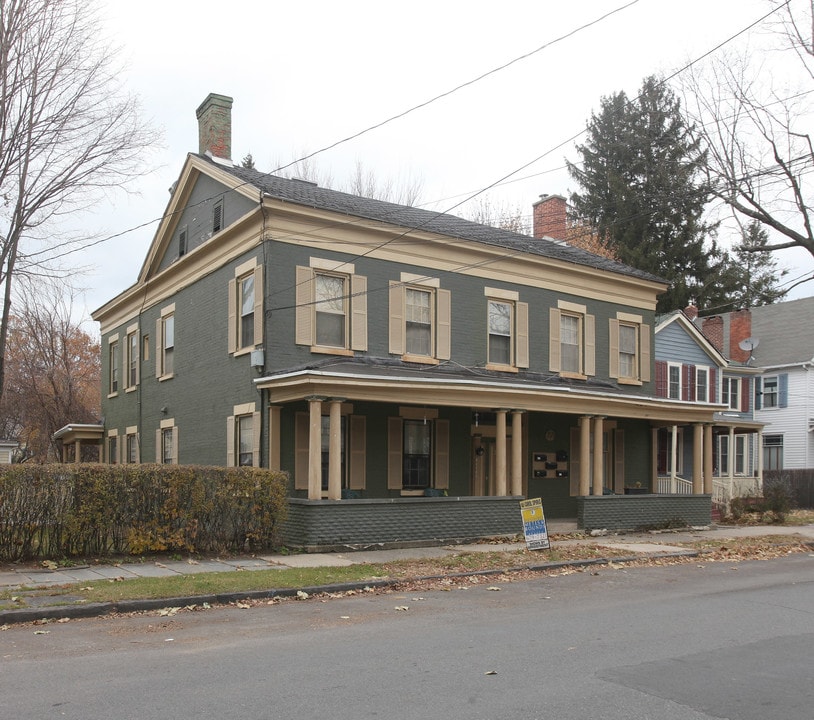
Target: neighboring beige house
<point>7,448</point>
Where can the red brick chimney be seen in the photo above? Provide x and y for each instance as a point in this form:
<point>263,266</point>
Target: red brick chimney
<point>550,217</point>
<point>691,311</point>
<point>713,328</point>
<point>740,328</point>
<point>215,126</point>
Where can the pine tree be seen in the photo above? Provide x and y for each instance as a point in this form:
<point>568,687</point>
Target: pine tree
<point>642,189</point>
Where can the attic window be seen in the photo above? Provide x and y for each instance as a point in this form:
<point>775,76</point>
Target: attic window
<point>217,216</point>
<point>182,242</point>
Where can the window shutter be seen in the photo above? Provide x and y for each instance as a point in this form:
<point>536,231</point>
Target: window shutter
<point>619,462</point>
<point>358,308</point>
<point>441,454</point>
<point>443,342</point>
<point>613,334</point>
<point>396,332</point>
<point>175,446</point>
<point>745,394</point>
<point>259,294</point>
<point>358,451</point>
<point>783,390</point>
<point>230,441</point>
<point>713,385</point>
<point>301,431</point>
<point>758,393</point>
<point>232,309</point>
<point>554,340</point>
<point>158,453</point>
<point>645,356</point>
<point>661,379</point>
<point>394,463</point>
<point>685,382</point>
<point>305,309</point>
<point>590,345</point>
<point>574,465</point>
<point>522,349</point>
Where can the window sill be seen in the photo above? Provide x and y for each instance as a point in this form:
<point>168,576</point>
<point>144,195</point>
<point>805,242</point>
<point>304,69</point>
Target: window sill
<point>112,395</point>
<point>131,389</point>
<point>412,493</point>
<point>629,381</point>
<point>244,351</point>
<point>573,375</point>
<point>502,368</point>
<point>162,378</point>
<point>327,350</point>
<point>421,359</point>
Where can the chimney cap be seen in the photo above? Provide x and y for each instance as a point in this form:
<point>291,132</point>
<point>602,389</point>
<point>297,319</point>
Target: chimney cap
<point>214,99</point>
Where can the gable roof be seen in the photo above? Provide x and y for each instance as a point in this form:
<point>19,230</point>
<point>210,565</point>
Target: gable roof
<point>311,195</point>
<point>679,317</point>
<point>785,331</point>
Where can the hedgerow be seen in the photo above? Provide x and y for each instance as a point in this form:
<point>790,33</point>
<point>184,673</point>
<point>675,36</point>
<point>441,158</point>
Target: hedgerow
<point>56,511</point>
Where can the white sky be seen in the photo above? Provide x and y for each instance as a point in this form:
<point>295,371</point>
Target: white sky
<point>306,74</point>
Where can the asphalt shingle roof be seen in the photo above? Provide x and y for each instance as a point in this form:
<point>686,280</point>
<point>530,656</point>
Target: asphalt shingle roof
<point>311,195</point>
<point>785,332</point>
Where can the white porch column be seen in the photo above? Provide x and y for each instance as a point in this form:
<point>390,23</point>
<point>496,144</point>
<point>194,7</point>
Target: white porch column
<point>673,458</point>
<point>335,451</point>
<point>315,449</point>
<point>517,452</point>
<point>708,479</point>
<point>585,455</point>
<point>500,453</point>
<point>599,456</point>
<point>730,469</point>
<point>697,459</point>
<point>759,468</point>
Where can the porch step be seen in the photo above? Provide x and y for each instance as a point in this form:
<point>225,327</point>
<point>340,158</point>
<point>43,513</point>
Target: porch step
<point>717,512</point>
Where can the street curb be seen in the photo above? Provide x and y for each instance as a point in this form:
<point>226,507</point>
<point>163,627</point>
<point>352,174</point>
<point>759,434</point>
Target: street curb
<point>73,612</point>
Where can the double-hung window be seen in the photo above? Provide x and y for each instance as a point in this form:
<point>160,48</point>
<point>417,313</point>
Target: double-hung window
<point>770,392</point>
<point>420,313</point>
<point>772,452</point>
<point>131,358</point>
<point>165,343</point>
<point>571,341</point>
<point>674,381</point>
<point>243,436</point>
<point>730,392</point>
<point>113,447</point>
<point>701,384</point>
<point>113,364</point>
<point>166,442</point>
<point>417,451</point>
<point>331,314</point>
<point>629,349</point>
<point>131,445</point>
<point>508,330</point>
<point>246,307</point>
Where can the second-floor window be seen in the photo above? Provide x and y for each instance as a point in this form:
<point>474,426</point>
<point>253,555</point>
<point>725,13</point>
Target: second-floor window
<point>571,343</point>
<point>501,322</point>
<point>419,328</point>
<point>701,384</point>
<point>770,392</point>
<point>571,346</point>
<point>730,392</point>
<point>629,339</point>
<point>131,359</point>
<point>628,350</point>
<point>246,307</point>
<point>165,343</point>
<point>418,307</point>
<point>113,357</point>
<point>330,299</point>
<point>674,381</point>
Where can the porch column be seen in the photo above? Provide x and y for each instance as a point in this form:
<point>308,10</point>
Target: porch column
<point>708,480</point>
<point>500,453</point>
<point>654,460</point>
<point>315,449</point>
<point>759,468</point>
<point>599,456</point>
<point>730,469</point>
<point>673,458</point>
<point>585,455</point>
<point>697,459</point>
<point>77,457</point>
<point>517,452</point>
<point>335,451</point>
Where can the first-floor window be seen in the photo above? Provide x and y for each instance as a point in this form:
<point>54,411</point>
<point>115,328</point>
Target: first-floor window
<point>733,457</point>
<point>416,456</point>
<point>113,449</point>
<point>245,440</point>
<point>167,445</point>
<point>131,448</point>
<point>772,452</point>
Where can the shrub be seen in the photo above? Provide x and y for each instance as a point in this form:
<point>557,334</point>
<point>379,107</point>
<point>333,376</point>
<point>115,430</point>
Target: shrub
<point>74,510</point>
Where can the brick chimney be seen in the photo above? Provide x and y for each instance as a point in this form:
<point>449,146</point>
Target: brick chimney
<point>713,328</point>
<point>215,126</point>
<point>691,311</point>
<point>549,217</point>
<point>740,328</point>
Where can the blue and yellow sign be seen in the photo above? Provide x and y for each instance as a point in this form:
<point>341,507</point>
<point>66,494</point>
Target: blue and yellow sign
<point>534,527</point>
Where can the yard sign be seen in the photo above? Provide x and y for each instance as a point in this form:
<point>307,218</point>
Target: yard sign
<point>534,524</point>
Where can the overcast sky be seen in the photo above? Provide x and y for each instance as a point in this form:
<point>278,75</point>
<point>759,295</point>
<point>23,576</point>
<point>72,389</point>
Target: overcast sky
<point>304,75</point>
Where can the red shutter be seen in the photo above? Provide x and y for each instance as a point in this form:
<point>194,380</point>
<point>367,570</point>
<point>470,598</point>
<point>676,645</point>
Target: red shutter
<point>685,382</point>
<point>691,379</point>
<point>745,394</point>
<point>661,378</point>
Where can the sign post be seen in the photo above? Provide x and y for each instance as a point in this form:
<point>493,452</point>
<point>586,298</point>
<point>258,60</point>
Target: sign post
<point>534,527</point>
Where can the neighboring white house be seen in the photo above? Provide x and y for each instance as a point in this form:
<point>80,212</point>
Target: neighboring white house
<point>7,448</point>
<point>784,395</point>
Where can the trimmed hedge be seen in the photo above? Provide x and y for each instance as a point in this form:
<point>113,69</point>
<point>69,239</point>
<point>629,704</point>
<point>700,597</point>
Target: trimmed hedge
<point>54,511</point>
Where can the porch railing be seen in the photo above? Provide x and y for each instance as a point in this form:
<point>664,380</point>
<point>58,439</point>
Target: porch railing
<point>674,485</point>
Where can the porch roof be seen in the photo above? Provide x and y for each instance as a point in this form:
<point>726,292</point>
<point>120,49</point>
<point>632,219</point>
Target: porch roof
<point>79,431</point>
<point>454,386</point>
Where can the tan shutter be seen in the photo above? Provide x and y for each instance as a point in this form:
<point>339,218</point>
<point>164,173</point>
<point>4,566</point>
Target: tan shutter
<point>158,453</point>
<point>590,345</point>
<point>304,311</point>
<point>301,432</point>
<point>522,352</point>
<point>259,294</point>
<point>554,340</point>
<point>358,309</point>
<point>574,466</point>
<point>441,454</point>
<point>174,445</point>
<point>613,359</point>
<point>231,438</point>
<point>396,325</point>
<point>644,344</point>
<point>443,341</point>
<point>394,446</point>
<point>232,305</point>
<point>274,438</point>
<point>619,461</point>
<point>256,439</point>
<point>159,346</point>
<point>358,452</point>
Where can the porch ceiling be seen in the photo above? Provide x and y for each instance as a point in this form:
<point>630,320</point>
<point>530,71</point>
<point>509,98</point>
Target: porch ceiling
<point>397,385</point>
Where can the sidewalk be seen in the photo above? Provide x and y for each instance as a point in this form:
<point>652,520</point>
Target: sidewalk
<point>650,543</point>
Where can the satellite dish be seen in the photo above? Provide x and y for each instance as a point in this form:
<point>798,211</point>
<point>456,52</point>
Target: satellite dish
<point>748,344</point>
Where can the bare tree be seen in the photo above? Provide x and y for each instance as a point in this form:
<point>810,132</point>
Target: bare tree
<point>53,369</point>
<point>500,215</point>
<point>68,133</point>
<point>754,123</point>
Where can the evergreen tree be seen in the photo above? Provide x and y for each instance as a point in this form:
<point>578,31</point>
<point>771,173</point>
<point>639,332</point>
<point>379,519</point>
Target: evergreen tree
<point>643,192</point>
